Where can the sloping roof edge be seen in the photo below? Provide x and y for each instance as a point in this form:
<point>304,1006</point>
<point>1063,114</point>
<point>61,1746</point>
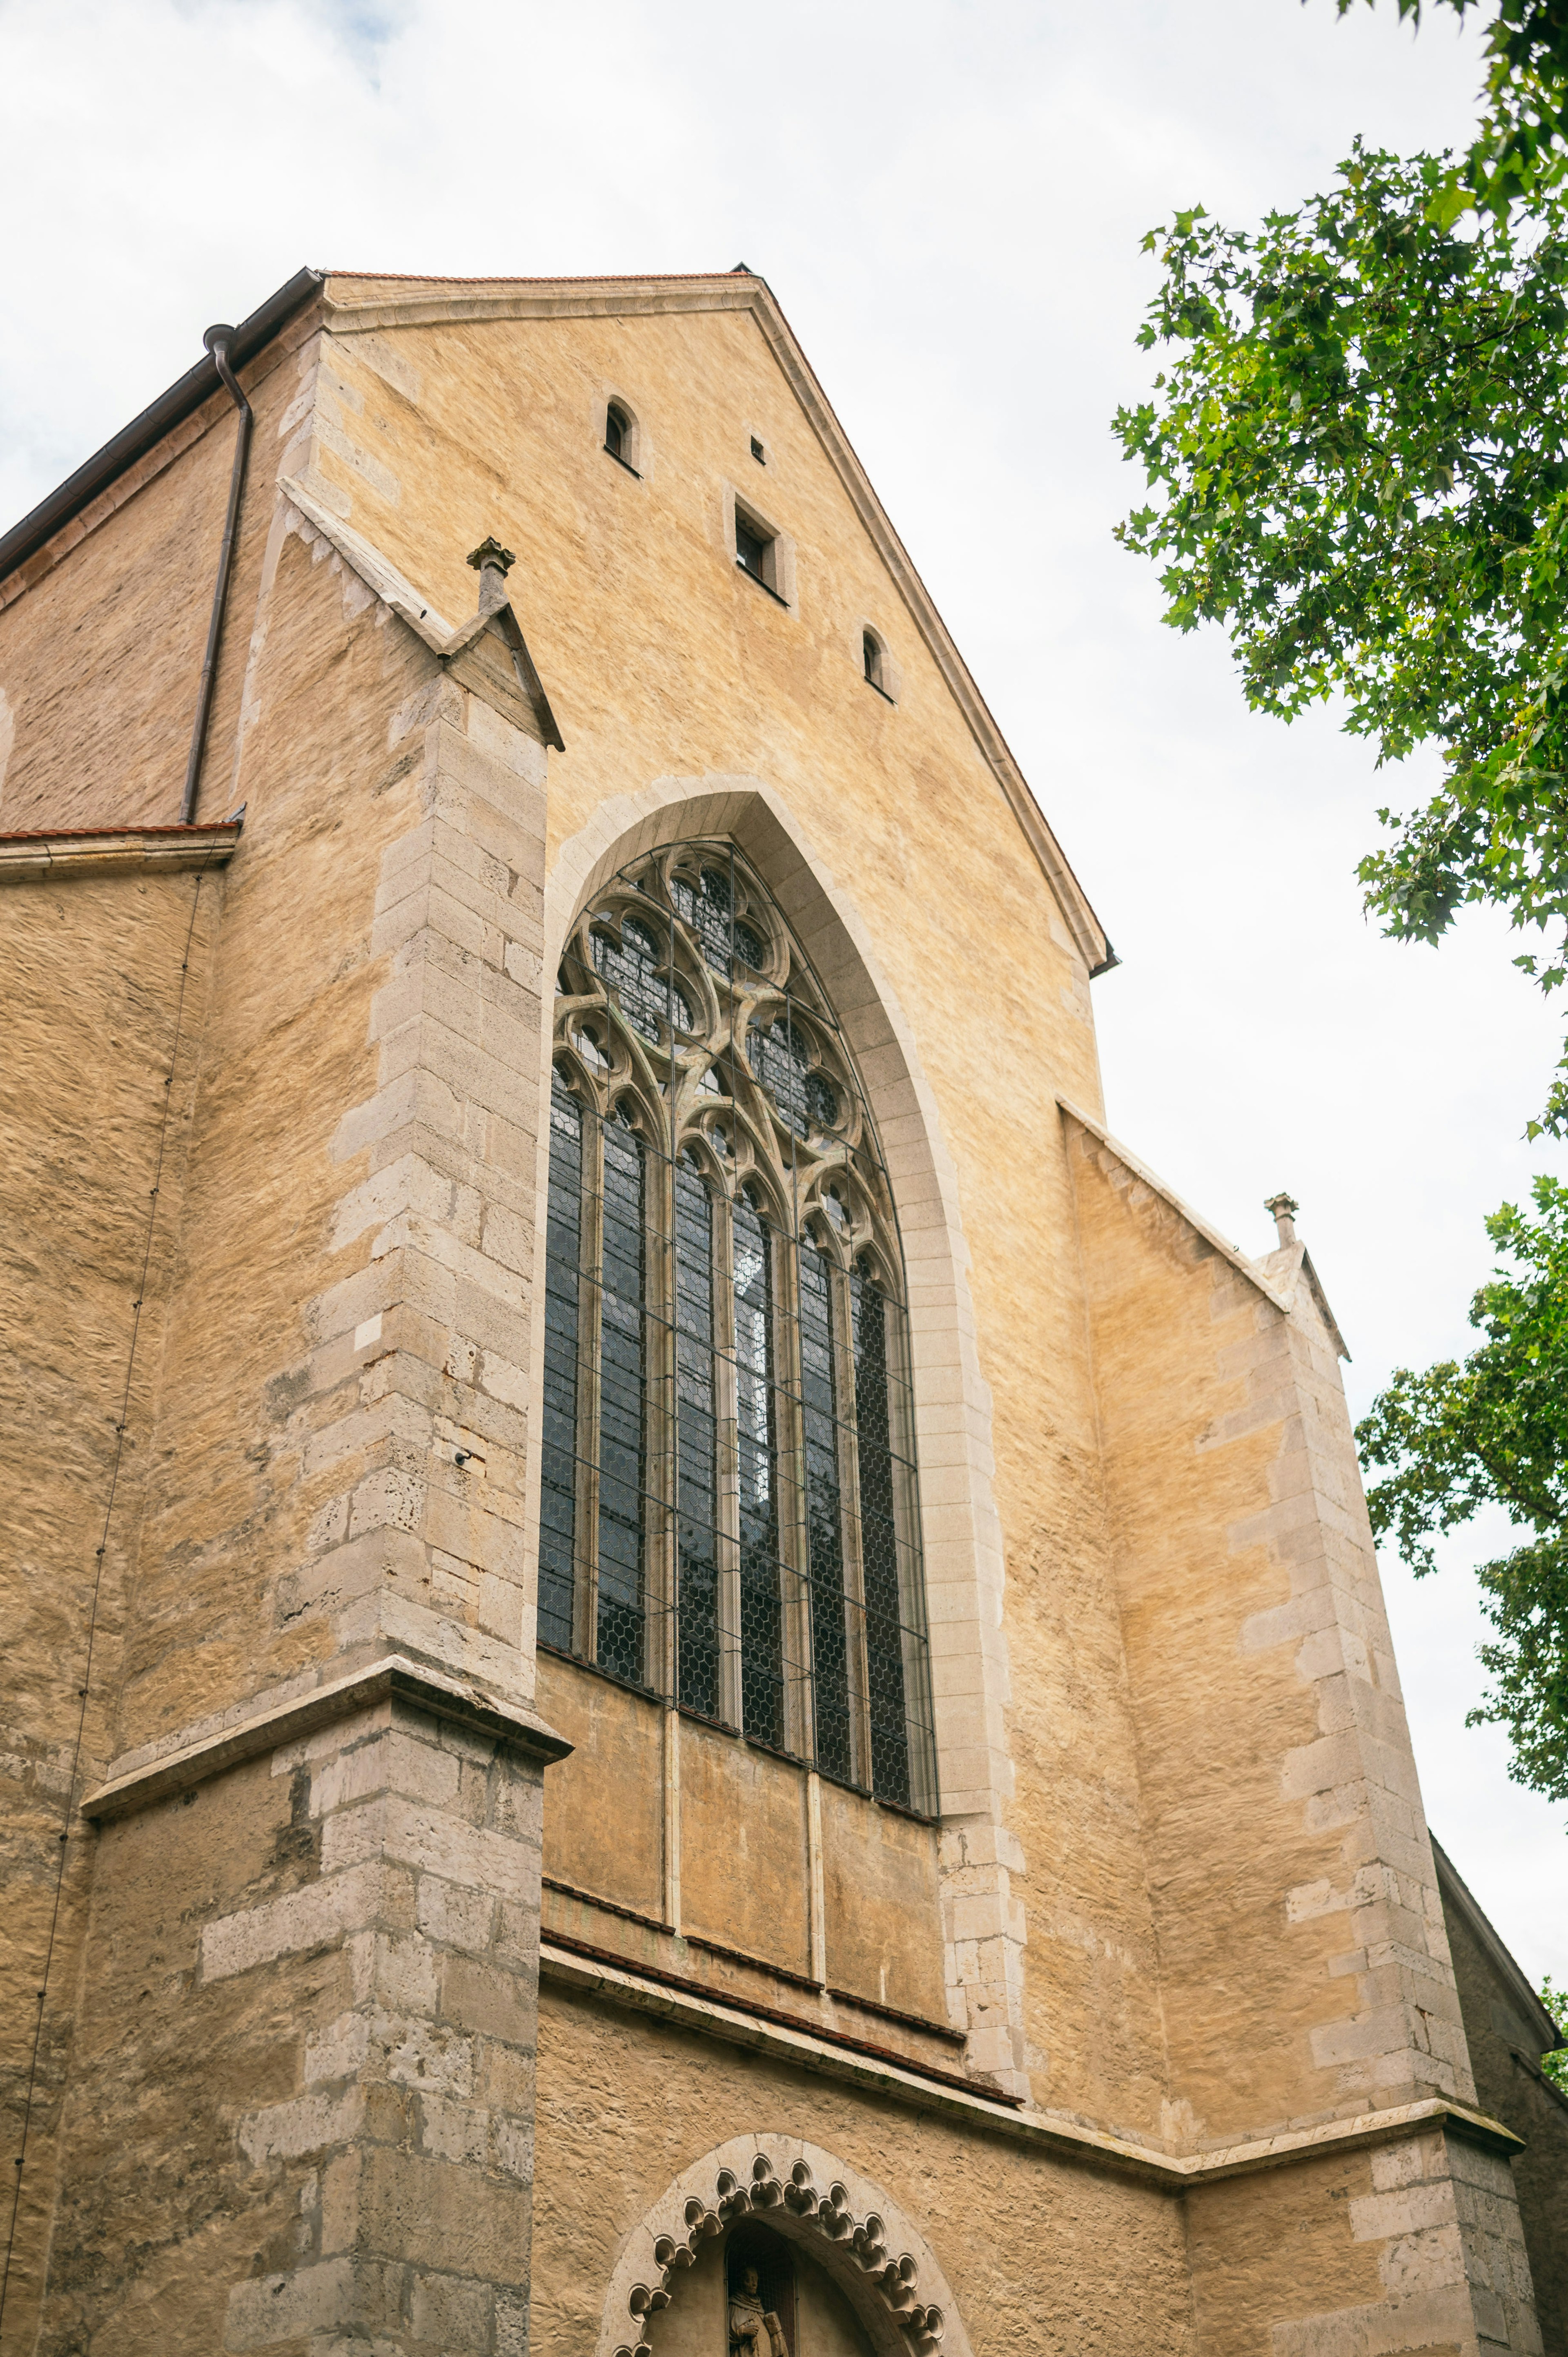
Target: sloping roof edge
<point>398,593</point>
<point>480,299</point>
<point>524,298</point>
<point>80,850</point>
<point>143,432</point>
<point>502,619</point>
<point>1227,1252</point>
<point>1324,1310</point>
<point>1456,1891</point>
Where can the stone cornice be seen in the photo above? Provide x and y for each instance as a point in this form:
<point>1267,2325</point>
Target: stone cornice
<point>1064,2139</point>
<point>391,1679</point>
<point>142,850</point>
<point>466,302</point>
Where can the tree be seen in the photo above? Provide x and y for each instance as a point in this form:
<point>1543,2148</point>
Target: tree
<point>1494,1431</point>
<point>1360,437</point>
<point>1554,2066</point>
<point>1524,129</point>
<point>1358,447</point>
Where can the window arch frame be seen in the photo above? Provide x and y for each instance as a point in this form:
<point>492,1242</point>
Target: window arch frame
<point>622,447</point>
<point>877,665</point>
<point>824,1207</point>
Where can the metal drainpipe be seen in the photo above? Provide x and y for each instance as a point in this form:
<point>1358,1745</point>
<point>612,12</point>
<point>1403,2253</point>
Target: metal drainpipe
<point>218,340</point>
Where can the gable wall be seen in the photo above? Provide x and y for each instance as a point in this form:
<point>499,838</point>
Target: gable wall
<point>307,1493</point>
<point>95,1005</point>
<point>661,660</point>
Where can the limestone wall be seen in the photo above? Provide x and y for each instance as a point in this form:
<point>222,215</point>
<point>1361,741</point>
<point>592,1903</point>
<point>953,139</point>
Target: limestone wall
<point>1503,2030</point>
<point>1305,1971</point>
<point>1181,1890</point>
<point>334,1439</point>
<point>665,666</point>
<point>104,978</point>
<point>1035,2255</point>
<point>102,633</point>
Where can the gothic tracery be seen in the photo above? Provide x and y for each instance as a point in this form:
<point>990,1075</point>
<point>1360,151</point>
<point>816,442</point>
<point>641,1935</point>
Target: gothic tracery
<point>730,1515</point>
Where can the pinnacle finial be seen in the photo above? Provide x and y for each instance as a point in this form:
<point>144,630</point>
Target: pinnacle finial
<point>1283,1208</point>
<point>490,552</point>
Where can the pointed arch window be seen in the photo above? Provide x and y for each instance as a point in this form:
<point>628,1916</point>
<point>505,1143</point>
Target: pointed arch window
<point>730,1508</point>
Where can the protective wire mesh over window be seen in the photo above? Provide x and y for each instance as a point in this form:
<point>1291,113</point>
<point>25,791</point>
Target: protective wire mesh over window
<point>730,1513</point>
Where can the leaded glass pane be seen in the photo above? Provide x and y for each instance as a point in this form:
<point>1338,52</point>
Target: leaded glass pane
<point>708,906</point>
<point>632,964</point>
<point>623,1405</point>
<point>761,1567</point>
<point>563,1285</point>
<point>696,1408</point>
<point>824,1524</point>
<point>781,1059</point>
<point>886,1700</point>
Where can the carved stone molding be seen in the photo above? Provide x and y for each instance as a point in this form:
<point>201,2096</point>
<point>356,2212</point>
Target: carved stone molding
<point>858,2237</point>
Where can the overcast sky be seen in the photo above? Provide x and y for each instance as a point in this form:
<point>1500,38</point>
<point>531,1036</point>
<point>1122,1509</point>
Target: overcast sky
<point>947,202</point>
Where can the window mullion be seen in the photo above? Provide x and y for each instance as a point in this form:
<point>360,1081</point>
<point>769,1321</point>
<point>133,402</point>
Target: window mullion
<point>914,1639</point>
<point>585,1604</point>
<point>659,1319</point>
<point>794,1573</point>
<point>853,1560</point>
<point>726,1413</point>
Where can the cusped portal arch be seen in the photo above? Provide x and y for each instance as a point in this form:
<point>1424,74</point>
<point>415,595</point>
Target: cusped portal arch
<point>861,2239</point>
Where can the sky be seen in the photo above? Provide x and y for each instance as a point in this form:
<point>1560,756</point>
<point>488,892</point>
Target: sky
<point>948,200</point>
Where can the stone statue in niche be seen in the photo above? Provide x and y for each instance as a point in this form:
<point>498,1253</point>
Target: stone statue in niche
<point>754,2331</point>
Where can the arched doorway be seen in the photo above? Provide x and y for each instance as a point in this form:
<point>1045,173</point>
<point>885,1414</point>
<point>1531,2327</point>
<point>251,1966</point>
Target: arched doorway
<point>752,2293</point>
<point>854,2274</point>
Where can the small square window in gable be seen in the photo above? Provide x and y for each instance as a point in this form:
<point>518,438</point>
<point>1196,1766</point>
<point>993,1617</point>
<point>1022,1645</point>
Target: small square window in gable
<point>761,551</point>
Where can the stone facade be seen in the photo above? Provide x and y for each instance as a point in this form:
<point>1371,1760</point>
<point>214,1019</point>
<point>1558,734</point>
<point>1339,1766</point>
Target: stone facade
<point>407,1986</point>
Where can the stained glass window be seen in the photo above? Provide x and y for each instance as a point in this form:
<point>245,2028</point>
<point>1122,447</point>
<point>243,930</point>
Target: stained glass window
<point>563,1260</point>
<point>708,905</point>
<point>632,964</point>
<point>781,1056</point>
<point>729,1509</point>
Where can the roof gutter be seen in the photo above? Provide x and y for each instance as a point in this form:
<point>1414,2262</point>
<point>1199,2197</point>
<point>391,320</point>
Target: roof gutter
<point>143,432</point>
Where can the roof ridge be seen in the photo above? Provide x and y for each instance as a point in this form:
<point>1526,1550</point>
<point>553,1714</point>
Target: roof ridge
<point>547,278</point>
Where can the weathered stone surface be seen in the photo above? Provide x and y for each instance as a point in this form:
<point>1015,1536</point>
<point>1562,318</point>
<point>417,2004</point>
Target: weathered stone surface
<point>290,2095</point>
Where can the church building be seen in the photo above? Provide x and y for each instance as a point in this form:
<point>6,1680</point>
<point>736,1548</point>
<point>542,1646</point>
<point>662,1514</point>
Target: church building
<point>687,1674</point>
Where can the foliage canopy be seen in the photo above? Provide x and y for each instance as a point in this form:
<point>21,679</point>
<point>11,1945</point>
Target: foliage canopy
<point>1360,438</point>
<point>1494,1431</point>
<point>1524,128</point>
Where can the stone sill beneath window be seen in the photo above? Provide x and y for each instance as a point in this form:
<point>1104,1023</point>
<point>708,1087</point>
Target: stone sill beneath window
<point>736,1734</point>
<point>880,690</point>
<point>792,1979</point>
<point>630,469</point>
<point>566,1945</point>
<point>766,586</point>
